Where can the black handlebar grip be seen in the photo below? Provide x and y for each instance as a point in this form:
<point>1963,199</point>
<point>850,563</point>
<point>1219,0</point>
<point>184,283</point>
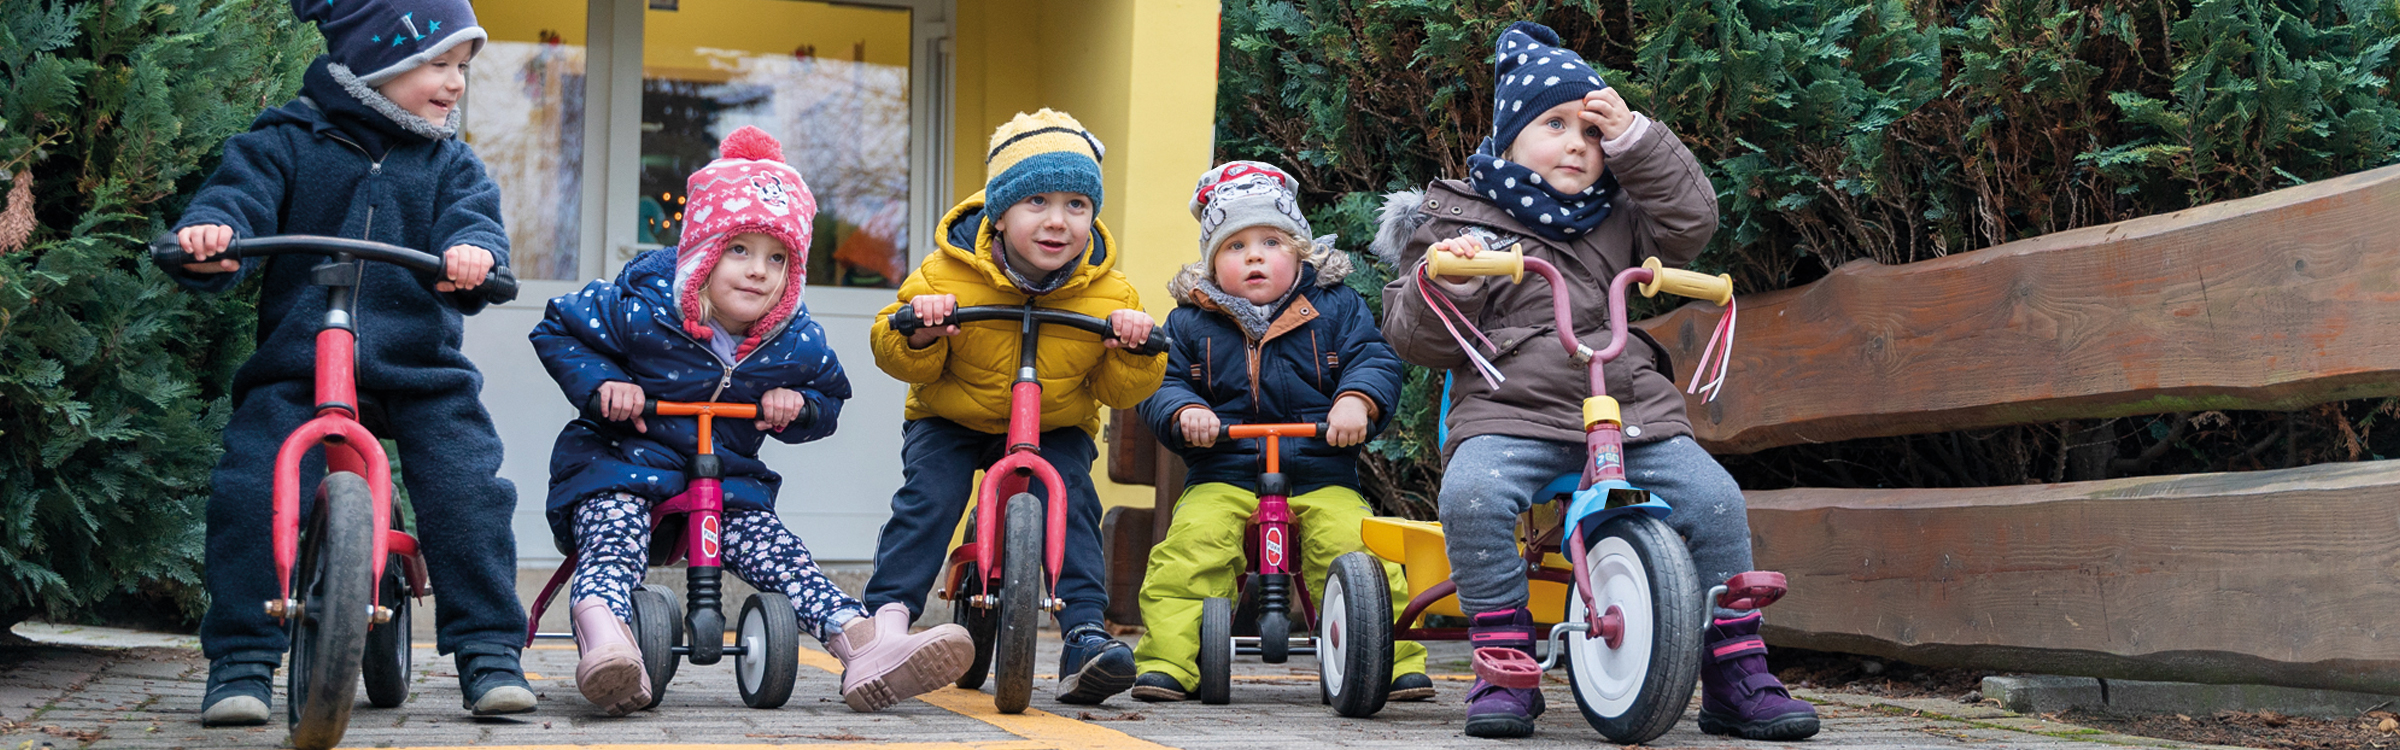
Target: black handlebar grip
<point>166,251</point>
<point>500,286</point>
<point>591,409</point>
<point>905,322</point>
<point>1155,345</point>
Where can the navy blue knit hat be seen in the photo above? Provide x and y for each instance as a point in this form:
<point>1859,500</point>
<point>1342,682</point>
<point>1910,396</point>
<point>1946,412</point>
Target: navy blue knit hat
<point>1531,74</point>
<point>377,40</point>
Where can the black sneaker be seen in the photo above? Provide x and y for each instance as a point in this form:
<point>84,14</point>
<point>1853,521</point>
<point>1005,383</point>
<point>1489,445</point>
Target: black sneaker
<point>1093,666</point>
<point>1414,686</point>
<point>1159,687</point>
<point>239,689</point>
<point>491,681</point>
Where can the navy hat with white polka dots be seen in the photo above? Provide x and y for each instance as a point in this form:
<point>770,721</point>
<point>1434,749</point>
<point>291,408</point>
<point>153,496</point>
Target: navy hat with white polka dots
<point>1531,74</point>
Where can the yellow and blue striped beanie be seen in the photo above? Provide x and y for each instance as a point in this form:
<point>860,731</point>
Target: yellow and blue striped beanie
<point>1043,152</point>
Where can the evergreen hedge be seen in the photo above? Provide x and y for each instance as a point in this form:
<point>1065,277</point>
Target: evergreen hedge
<point>1837,130</point>
<point>113,382</point>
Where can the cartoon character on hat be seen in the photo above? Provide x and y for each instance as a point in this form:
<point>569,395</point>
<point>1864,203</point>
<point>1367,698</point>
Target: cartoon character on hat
<point>747,189</point>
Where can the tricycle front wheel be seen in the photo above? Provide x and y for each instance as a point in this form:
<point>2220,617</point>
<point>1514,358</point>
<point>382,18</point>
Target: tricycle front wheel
<point>1641,574</point>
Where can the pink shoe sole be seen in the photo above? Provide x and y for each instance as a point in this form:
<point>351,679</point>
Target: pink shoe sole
<point>617,685</point>
<point>938,662</point>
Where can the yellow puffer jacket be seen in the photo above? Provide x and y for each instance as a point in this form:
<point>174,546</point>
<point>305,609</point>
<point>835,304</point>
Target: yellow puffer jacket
<point>965,378</point>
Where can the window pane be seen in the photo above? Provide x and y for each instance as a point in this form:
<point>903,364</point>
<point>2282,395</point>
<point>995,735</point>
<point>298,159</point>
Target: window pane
<point>524,108</point>
<point>830,82</point>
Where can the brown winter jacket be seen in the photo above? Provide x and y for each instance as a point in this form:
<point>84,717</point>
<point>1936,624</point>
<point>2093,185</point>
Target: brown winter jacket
<point>1666,209</point>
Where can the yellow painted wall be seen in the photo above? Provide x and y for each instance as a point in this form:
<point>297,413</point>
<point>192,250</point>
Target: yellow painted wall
<point>1142,75</point>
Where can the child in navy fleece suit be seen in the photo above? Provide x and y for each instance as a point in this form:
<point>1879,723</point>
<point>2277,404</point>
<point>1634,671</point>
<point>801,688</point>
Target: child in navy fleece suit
<point>367,151</point>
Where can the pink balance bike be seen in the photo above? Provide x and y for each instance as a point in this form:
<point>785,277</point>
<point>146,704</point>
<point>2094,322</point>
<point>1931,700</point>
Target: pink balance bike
<point>1270,585</point>
<point>347,577</point>
<point>1627,611</point>
<point>1013,560</point>
<point>688,527</point>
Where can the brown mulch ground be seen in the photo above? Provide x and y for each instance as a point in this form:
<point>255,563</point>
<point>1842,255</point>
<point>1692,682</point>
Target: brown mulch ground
<point>2267,729</point>
<point>1850,673</point>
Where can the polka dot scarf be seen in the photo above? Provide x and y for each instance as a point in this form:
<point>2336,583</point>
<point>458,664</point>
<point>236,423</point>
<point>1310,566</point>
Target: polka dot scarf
<point>1542,209</point>
<point>1531,74</point>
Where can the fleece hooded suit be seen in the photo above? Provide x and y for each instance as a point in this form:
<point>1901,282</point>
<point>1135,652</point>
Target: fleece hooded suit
<point>326,164</point>
<point>1321,344</point>
<point>957,407</point>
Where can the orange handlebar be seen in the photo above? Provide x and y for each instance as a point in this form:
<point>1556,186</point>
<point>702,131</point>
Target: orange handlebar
<point>695,408</point>
<point>1240,431</point>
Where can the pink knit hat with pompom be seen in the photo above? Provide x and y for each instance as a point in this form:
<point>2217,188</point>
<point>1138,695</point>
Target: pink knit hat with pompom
<point>747,189</point>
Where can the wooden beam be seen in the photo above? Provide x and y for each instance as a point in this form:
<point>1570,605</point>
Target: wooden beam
<point>2286,577</point>
<point>2273,302</point>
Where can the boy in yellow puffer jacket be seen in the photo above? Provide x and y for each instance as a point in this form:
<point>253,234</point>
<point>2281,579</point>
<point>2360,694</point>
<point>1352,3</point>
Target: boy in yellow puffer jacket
<point>1033,233</point>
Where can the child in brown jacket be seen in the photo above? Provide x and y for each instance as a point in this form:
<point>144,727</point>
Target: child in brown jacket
<point>1571,175</point>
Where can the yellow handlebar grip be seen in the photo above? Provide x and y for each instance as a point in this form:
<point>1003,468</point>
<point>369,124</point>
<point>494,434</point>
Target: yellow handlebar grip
<point>1682,283</point>
<point>1487,263</point>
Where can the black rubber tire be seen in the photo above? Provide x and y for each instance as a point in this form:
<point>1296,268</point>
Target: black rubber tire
<point>1678,618</point>
<point>334,581</point>
<point>1354,636</point>
<point>769,632</point>
<point>1020,604</point>
<point>388,645</point>
<point>982,624</point>
<point>1216,651</point>
<point>657,629</point>
<point>1275,637</point>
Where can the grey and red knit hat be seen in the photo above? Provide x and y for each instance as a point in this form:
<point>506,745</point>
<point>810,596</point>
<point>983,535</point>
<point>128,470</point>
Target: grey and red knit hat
<point>1238,195</point>
<point>377,40</point>
<point>748,188</point>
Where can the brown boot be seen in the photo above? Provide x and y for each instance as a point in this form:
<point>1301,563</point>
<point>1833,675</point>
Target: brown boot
<point>610,673</point>
<point>883,663</point>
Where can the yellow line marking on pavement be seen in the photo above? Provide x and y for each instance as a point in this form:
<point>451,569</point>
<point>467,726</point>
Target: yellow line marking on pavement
<point>999,745</point>
<point>1047,729</point>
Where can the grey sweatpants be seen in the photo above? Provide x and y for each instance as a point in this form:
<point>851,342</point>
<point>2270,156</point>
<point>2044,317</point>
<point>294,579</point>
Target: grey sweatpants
<point>1492,479</point>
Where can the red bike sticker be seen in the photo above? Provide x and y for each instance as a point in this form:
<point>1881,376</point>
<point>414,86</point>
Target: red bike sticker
<point>1274,544</point>
<point>708,536</point>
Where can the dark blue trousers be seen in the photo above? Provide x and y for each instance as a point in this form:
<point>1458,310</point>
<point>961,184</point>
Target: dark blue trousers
<point>939,459</point>
<point>450,460</point>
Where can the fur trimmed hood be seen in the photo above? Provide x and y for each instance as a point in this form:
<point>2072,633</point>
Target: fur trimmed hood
<point>1396,223</point>
<point>1331,262</point>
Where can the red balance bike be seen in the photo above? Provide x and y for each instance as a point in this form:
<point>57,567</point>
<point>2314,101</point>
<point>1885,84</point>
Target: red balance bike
<point>688,527</point>
<point>347,577</point>
<point>1617,583</point>
<point>1262,625</point>
<point>1012,562</point>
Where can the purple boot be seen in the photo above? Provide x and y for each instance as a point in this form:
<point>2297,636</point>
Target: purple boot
<point>1739,697</point>
<point>1493,710</point>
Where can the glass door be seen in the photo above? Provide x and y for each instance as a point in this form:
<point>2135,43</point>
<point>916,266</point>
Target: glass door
<point>831,82</point>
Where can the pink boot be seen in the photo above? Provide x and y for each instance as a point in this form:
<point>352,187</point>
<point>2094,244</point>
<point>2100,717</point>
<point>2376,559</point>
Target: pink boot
<point>610,673</point>
<point>883,663</point>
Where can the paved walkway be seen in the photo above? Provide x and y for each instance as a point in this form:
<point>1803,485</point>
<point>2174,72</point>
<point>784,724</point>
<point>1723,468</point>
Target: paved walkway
<point>133,690</point>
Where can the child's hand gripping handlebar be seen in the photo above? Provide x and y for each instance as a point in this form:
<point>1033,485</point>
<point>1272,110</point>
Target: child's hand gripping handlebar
<point>1511,263</point>
<point>905,322</point>
<point>707,411</point>
<point>167,252</point>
